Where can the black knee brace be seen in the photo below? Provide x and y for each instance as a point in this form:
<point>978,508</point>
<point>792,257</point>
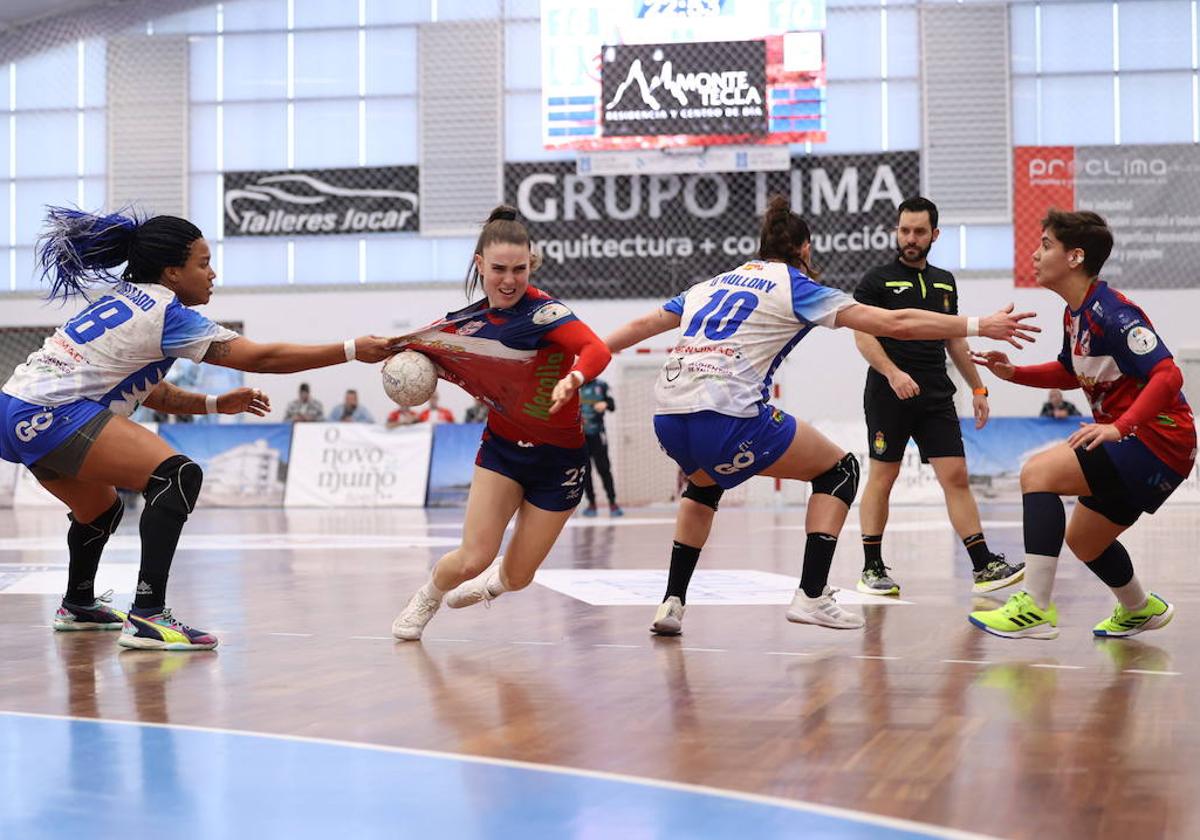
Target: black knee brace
<point>100,528</point>
<point>710,496</point>
<point>174,486</point>
<point>840,480</point>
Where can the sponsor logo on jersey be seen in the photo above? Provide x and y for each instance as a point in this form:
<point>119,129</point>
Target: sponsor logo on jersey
<point>470,328</point>
<point>880,444</point>
<point>738,463</point>
<point>1141,340</point>
<point>776,415</point>
<point>549,313</point>
<point>27,430</point>
<point>547,375</point>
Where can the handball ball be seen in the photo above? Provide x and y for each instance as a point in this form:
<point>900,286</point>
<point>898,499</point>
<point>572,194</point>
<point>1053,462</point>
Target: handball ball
<point>409,378</point>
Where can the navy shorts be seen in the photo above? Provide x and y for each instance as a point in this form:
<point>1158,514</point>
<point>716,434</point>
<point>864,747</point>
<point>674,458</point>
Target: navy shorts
<point>551,476</point>
<point>729,449</point>
<point>1126,480</point>
<point>30,432</point>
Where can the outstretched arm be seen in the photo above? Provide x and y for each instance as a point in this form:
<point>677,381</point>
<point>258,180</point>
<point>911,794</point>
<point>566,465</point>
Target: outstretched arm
<point>917,323</point>
<point>591,357</point>
<point>170,399</point>
<point>243,354</point>
<point>639,329</point>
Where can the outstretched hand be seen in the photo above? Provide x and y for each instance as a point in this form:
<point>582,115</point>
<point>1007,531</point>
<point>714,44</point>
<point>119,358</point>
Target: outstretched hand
<point>995,361</point>
<point>1004,325</point>
<point>244,400</point>
<point>374,348</point>
<point>564,390</point>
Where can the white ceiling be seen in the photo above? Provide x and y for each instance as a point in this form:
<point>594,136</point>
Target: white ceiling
<point>15,13</point>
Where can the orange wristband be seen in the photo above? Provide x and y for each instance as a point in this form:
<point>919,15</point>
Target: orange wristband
<point>979,392</point>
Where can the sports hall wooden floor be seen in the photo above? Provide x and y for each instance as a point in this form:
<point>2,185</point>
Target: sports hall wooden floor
<point>919,716</point>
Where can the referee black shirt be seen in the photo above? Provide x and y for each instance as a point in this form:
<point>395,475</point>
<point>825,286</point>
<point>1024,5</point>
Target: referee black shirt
<point>898,286</point>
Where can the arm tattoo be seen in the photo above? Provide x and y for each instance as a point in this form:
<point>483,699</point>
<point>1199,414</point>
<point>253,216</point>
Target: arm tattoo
<point>217,351</point>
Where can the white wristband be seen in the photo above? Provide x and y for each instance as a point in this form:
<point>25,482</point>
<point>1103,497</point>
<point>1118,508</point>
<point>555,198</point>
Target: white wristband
<point>972,326</point>
<point>210,404</point>
<point>348,344</point>
<point>581,379</point>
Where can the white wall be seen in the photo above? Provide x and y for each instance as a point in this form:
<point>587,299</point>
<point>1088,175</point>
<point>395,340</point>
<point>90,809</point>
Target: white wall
<point>823,378</point>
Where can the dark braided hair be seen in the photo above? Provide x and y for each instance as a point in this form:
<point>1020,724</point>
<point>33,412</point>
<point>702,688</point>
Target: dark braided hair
<point>502,225</point>
<point>78,248</point>
<point>782,235</point>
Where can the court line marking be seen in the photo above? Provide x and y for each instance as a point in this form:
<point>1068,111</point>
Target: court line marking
<point>883,658</point>
<point>297,635</point>
<point>969,661</point>
<point>785,653</point>
<point>706,650</point>
<point>533,643</point>
<point>1155,673</point>
<point>374,638</point>
<point>634,647</point>
<point>834,811</point>
<point>1056,666</point>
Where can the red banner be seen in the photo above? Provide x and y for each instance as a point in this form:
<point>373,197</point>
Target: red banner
<point>1043,178</point>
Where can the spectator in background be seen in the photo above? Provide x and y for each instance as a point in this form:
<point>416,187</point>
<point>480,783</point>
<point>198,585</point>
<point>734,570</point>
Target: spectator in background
<point>350,411</point>
<point>304,409</point>
<point>434,414</point>
<point>401,417</point>
<point>1057,407</point>
<point>594,402</point>
<point>477,413</point>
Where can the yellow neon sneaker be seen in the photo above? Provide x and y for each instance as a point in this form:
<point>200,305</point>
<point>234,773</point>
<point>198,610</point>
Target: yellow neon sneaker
<point>1125,622</point>
<point>1020,618</point>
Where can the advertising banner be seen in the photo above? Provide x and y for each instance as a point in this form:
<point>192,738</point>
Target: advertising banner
<point>453,462</point>
<point>358,201</point>
<point>358,465</point>
<point>245,465</point>
<point>1145,193</point>
<point>620,236</point>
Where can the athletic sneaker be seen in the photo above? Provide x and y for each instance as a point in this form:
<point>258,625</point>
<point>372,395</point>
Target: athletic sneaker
<point>615,510</point>
<point>474,590</point>
<point>1019,618</point>
<point>1125,622</point>
<point>98,616</point>
<point>875,581</point>
<point>163,632</point>
<point>823,611</point>
<point>668,621</point>
<point>997,574</point>
<point>590,510</point>
<point>413,618</point>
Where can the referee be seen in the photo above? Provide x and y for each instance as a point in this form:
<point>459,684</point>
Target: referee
<point>909,395</point>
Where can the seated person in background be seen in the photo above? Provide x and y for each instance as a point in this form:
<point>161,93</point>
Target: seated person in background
<point>350,411</point>
<point>477,413</point>
<point>434,414</point>
<point>1057,407</point>
<point>304,408</point>
<point>401,417</point>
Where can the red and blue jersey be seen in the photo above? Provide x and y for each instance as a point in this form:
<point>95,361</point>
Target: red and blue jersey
<point>1110,347</point>
<point>511,359</point>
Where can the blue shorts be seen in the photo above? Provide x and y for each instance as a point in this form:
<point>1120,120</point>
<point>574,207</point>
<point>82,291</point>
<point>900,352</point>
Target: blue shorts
<point>551,476</point>
<point>729,449</point>
<point>30,432</point>
<point>1126,479</point>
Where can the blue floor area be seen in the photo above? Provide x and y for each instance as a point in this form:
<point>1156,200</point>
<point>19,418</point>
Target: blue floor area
<point>83,778</point>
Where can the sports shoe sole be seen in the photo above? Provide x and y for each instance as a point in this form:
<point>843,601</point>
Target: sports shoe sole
<point>73,626</point>
<point>1154,623</point>
<point>667,627</point>
<point>1041,631</point>
<point>142,643</point>
<point>865,588</point>
<point>993,585</point>
<point>820,621</point>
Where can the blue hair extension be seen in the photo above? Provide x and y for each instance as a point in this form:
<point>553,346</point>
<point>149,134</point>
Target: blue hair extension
<point>78,248</point>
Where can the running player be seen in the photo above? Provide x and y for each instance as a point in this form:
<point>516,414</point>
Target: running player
<point>64,411</point>
<point>525,355</point>
<point>1139,449</point>
<point>713,418</point>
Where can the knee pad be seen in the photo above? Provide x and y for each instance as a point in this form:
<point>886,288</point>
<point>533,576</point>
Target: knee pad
<point>174,486</point>
<point>709,496</point>
<point>100,528</point>
<point>840,480</point>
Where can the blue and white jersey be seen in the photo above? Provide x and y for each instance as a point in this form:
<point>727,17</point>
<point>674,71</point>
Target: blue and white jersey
<point>737,328</point>
<point>116,351</point>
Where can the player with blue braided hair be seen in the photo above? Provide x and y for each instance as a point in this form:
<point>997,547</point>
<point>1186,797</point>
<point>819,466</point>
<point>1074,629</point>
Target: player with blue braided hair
<point>64,412</point>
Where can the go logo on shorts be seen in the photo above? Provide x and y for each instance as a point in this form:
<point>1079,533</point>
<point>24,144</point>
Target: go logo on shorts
<point>27,430</point>
<point>740,462</point>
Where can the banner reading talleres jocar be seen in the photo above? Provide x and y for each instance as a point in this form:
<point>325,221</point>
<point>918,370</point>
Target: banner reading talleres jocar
<point>357,201</point>
<point>654,235</point>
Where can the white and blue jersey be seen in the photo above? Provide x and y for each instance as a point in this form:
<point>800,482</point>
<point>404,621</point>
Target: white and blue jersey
<point>116,351</point>
<point>110,355</point>
<point>736,330</point>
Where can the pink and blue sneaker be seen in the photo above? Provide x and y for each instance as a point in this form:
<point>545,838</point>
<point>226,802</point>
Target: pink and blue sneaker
<point>97,616</point>
<point>162,631</point>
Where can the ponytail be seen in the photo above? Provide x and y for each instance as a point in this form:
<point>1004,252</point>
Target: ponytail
<point>782,235</point>
<point>502,225</point>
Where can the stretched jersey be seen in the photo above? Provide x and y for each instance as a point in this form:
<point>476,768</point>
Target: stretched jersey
<point>736,330</point>
<point>116,351</point>
<point>504,358</point>
<point>1110,346</point>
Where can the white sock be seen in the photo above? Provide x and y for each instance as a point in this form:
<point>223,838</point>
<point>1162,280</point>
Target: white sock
<point>1131,595</point>
<point>431,591</point>
<point>1039,577</point>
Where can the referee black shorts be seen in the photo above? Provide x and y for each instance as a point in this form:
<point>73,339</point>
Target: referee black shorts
<point>930,421</point>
